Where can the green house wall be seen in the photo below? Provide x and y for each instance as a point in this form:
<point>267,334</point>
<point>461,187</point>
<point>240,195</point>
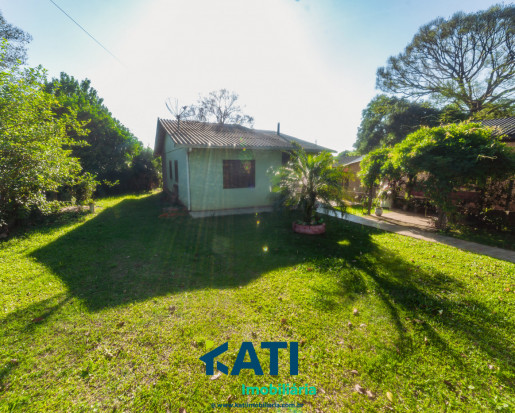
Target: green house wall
<point>206,179</point>
<point>174,153</point>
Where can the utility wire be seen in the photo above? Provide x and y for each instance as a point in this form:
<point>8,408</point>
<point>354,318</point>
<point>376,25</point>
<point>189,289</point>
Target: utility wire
<point>85,31</point>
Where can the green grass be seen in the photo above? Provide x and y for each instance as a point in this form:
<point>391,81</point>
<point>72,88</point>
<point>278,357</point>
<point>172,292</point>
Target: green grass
<point>112,311</point>
<point>500,239</point>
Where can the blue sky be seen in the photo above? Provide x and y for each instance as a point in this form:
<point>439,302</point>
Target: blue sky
<point>309,64</point>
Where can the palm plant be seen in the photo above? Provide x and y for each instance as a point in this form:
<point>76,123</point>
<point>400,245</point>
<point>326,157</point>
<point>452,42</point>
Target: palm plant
<point>309,180</point>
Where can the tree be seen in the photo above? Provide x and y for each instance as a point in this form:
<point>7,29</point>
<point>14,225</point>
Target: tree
<point>448,158</point>
<point>16,40</point>
<point>388,120</point>
<point>111,146</point>
<point>468,60</point>
<point>145,171</point>
<point>35,154</point>
<point>308,179</point>
<point>372,171</point>
<point>221,106</point>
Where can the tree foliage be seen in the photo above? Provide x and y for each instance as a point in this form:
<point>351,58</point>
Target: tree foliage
<point>221,107</point>
<point>468,59</point>
<point>111,146</point>
<point>113,152</point>
<point>388,120</point>
<point>15,40</point>
<point>445,159</point>
<point>35,149</point>
<point>373,171</point>
<point>308,179</point>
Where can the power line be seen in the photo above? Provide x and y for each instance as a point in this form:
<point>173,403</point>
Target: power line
<point>85,31</point>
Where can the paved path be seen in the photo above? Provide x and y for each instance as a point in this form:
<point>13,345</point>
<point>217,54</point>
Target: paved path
<point>370,221</point>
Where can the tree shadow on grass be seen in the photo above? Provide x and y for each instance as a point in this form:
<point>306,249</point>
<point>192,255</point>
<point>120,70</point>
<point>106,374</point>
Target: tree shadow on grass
<point>128,254</point>
<point>420,298</point>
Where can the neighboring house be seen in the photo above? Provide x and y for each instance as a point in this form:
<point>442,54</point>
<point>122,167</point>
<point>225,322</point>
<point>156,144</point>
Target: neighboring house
<point>353,185</point>
<point>505,126</point>
<point>221,169</point>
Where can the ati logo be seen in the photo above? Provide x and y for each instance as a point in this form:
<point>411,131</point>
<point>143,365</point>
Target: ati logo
<point>253,364</point>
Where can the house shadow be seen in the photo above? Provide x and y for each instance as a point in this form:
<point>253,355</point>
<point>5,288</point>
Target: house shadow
<point>128,254</point>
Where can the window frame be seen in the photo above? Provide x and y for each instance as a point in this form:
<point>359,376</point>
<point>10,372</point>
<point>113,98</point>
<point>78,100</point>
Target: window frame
<point>233,174</point>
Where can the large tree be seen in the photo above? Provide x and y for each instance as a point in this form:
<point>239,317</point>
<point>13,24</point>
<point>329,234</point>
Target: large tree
<point>468,59</point>
<point>388,120</point>
<point>16,40</point>
<point>35,154</point>
<point>222,107</point>
<point>111,145</point>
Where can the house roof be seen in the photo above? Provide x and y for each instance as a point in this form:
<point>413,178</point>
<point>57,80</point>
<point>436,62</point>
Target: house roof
<point>347,160</point>
<point>193,134</point>
<point>505,126</point>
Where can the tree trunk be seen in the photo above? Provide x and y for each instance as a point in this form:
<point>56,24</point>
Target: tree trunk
<point>441,222</point>
<point>370,199</point>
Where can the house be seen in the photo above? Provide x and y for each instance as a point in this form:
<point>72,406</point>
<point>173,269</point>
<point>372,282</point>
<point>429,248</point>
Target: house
<point>353,185</point>
<point>221,169</point>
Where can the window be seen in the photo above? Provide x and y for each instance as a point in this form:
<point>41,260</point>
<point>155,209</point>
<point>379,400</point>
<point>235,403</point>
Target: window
<point>239,174</point>
<point>176,164</point>
<point>170,169</point>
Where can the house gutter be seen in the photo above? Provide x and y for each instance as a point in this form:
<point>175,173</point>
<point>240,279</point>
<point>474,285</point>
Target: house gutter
<point>188,177</point>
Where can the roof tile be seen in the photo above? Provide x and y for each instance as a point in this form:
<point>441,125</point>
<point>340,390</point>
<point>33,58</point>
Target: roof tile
<point>202,134</point>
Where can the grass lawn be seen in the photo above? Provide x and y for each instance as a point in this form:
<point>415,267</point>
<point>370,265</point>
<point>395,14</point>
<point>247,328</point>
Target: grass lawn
<point>500,239</point>
<point>112,311</point>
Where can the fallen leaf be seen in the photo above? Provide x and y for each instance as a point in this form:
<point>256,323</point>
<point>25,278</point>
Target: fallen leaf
<point>389,396</point>
<point>108,354</point>
<point>449,384</point>
<point>355,372</point>
<point>359,389</point>
<point>371,395</point>
<point>37,320</point>
<point>217,374</point>
<point>283,321</point>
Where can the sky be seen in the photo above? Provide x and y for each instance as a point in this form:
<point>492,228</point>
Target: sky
<point>308,64</point>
